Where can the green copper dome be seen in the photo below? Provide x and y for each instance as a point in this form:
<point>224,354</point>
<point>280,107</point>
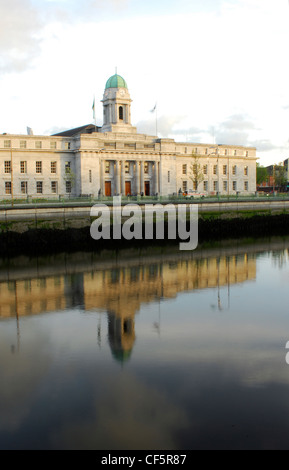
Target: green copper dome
<point>116,81</point>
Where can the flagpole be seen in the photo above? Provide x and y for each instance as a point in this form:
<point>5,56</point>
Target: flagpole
<point>94,116</point>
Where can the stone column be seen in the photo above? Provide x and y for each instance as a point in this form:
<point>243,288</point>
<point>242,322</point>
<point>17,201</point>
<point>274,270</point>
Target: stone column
<point>101,177</point>
<point>116,178</point>
<point>142,177</point>
<point>156,177</point>
<point>160,178</point>
<point>122,179</point>
<point>137,186</point>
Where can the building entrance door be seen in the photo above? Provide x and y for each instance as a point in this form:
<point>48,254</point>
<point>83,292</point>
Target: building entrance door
<point>147,188</point>
<point>127,188</point>
<point>107,188</point>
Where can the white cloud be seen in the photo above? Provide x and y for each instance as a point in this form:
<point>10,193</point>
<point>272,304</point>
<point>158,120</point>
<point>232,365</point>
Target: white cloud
<point>205,61</point>
<point>19,26</point>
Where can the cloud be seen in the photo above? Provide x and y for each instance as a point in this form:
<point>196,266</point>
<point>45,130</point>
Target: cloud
<point>74,11</point>
<point>23,22</point>
<point>235,130</point>
<point>165,125</point>
<point>19,26</point>
<point>263,145</point>
<point>238,122</point>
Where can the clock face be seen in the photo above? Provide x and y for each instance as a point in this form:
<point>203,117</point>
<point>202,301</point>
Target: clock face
<point>121,92</point>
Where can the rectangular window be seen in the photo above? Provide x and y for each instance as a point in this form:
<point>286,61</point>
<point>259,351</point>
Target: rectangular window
<point>224,169</point>
<point>126,166</point>
<point>206,151</point>
<point>225,185</point>
<point>235,153</point>
<point>185,186</point>
<point>23,185</point>
<point>246,185</point>
<point>7,144</point>
<point>39,187</point>
<point>146,167</point>
<point>90,176</point>
<point>246,170</point>
<point>53,167</point>
<point>196,150</point>
<point>8,187</point>
<point>23,144</point>
<point>234,169</point>
<point>7,166</point>
<point>23,167</point>
<point>67,146</point>
<point>38,144</point>
<point>226,151</point>
<point>38,167</point>
<point>215,185</point>
<point>234,185</point>
<point>195,168</point>
<point>54,187</point>
<point>132,146</point>
<point>215,169</point>
<point>184,169</point>
<point>169,176</point>
<point>205,185</point>
<point>53,145</point>
<point>107,167</point>
<point>195,185</point>
<point>67,167</point>
<point>205,169</point>
<point>68,187</point>
<point>247,153</point>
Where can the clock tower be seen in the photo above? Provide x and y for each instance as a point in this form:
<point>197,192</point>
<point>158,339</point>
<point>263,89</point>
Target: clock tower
<point>116,106</point>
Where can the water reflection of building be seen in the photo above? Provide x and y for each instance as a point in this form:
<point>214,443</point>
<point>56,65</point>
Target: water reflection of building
<point>122,290</point>
<point>121,336</point>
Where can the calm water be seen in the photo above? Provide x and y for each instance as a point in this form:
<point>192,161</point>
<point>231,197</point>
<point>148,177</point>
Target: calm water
<point>146,350</point>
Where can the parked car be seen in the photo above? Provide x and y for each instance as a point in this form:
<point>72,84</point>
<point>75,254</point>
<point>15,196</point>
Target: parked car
<point>192,194</point>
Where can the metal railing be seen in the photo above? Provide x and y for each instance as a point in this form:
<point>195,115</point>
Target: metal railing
<point>63,201</point>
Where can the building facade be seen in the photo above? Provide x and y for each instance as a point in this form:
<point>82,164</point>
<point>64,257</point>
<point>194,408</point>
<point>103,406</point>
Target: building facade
<point>115,159</point>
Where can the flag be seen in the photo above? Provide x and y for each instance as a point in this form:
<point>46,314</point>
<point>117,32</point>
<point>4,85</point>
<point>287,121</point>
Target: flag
<point>29,131</point>
<point>93,108</point>
<point>154,108</point>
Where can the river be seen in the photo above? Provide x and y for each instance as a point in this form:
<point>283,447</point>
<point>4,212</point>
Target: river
<point>146,349</point>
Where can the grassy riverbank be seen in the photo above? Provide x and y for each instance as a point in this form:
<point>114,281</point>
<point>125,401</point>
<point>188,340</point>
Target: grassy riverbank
<point>47,237</point>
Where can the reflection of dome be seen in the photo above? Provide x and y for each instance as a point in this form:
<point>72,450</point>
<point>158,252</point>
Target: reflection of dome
<point>120,355</point>
<point>116,81</point>
<point>121,336</point>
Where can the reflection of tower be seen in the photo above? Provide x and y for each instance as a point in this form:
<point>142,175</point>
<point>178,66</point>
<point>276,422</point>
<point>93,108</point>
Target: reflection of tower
<point>74,290</point>
<point>121,336</point>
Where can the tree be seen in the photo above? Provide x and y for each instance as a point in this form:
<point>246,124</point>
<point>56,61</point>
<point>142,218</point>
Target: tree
<point>69,178</point>
<point>261,174</point>
<point>280,176</point>
<point>196,173</point>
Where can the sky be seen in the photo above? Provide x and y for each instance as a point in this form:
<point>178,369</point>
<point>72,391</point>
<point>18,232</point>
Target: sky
<point>218,70</point>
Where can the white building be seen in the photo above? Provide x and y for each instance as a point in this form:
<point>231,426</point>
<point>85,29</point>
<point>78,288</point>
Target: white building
<point>115,159</point>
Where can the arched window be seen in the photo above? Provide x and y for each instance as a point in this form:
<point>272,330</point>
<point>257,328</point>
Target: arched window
<point>120,113</point>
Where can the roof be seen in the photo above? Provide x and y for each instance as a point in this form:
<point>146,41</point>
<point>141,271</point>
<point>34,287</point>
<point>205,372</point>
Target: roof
<point>116,81</point>
<point>87,129</point>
